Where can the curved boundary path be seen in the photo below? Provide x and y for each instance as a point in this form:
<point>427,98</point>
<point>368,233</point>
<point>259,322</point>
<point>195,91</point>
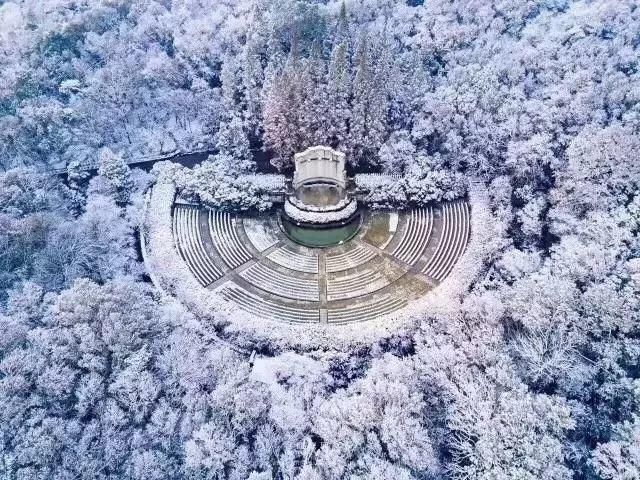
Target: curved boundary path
<point>392,269</point>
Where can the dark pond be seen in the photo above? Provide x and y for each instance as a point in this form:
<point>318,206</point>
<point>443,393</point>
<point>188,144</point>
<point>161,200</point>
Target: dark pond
<point>321,236</point>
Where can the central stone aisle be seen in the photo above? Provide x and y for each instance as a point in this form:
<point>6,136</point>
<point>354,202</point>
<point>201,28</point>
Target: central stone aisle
<point>322,284</point>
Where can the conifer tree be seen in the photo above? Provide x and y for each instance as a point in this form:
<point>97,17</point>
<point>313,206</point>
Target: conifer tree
<point>314,125</point>
<point>253,79</point>
<point>342,28</point>
<point>338,93</point>
<point>254,58</point>
<point>232,141</point>
<point>283,108</point>
<point>232,85</point>
<point>360,111</point>
<point>370,101</point>
<point>379,99</point>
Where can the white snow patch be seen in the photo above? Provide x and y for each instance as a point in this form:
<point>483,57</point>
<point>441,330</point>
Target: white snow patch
<point>320,217</point>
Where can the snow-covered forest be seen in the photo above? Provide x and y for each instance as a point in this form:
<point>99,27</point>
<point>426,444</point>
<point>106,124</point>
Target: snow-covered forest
<point>536,374</point>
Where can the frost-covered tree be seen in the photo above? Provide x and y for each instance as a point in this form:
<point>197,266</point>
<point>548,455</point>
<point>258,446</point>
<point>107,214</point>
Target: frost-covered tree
<point>620,458</point>
<point>283,111</point>
<point>232,142</point>
<point>231,78</point>
<point>253,80</point>
<point>218,184</point>
<point>99,245</point>
<point>398,153</point>
<point>117,174</point>
<point>369,108</point>
<point>338,95</point>
<point>507,435</point>
<point>530,218</point>
<point>531,373</point>
<point>314,124</point>
<point>601,169</point>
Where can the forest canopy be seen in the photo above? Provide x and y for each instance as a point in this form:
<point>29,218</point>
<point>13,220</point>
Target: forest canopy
<point>535,374</point>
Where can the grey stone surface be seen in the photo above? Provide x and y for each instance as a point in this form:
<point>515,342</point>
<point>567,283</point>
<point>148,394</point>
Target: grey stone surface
<point>373,283</point>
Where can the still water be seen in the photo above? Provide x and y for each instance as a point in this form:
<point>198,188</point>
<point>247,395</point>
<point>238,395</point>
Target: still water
<point>321,237</point>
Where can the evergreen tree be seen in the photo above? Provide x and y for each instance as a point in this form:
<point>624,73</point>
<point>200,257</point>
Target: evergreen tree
<point>232,141</point>
<point>370,104</point>
<point>253,79</point>
<point>233,96</point>
<point>254,57</point>
<point>75,191</point>
<point>379,99</point>
<point>342,28</point>
<point>338,93</point>
<point>283,106</point>
<point>362,90</point>
<point>314,125</point>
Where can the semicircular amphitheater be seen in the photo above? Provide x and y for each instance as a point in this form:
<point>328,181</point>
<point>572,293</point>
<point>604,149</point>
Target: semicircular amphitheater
<point>249,261</point>
<point>253,262</point>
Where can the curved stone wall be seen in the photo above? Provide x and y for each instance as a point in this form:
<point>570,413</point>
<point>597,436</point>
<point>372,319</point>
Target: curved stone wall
<point>320,165</point>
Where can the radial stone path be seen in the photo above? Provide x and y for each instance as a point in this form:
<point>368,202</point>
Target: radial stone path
<point>394,259</point>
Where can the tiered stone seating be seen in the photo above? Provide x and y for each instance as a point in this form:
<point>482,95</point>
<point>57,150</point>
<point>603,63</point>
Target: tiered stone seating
<point>459,241</point>
<point>375,306</point>
<point>362,283</point>
<point>188,240</point>
<point>293,260</point>
<point>453,240</point>
<point>280,284</point>
<point>416,236</point>
<point>351,258</point>
<point>264,308</point>
<point>260,233</point>
<point>222,227</point>
<point>355,285</point>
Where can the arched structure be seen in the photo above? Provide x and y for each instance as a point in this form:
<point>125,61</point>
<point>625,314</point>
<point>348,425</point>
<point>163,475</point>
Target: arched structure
<point>320,165</point>
<point>320,198</point>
